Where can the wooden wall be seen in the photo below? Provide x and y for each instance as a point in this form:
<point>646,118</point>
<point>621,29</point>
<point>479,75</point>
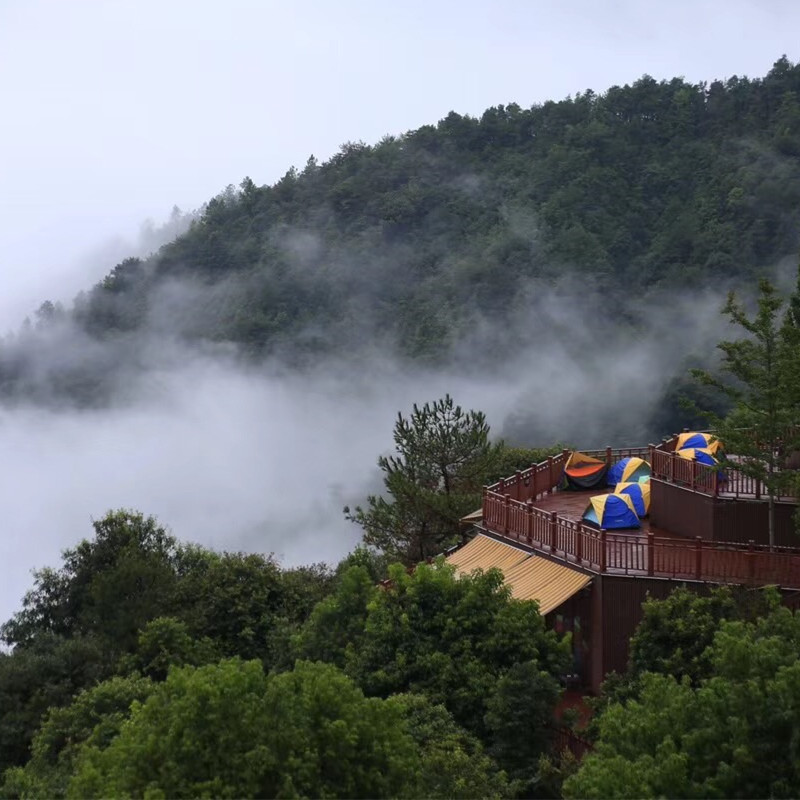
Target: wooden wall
<point>743,520</point>
<point>680,512</point>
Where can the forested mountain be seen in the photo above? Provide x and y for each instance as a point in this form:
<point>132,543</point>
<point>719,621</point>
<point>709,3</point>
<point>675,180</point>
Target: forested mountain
<point>405,244</point>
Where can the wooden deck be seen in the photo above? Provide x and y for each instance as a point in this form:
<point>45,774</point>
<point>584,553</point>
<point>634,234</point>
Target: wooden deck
<point>571,505</point>
<point>527,508</point>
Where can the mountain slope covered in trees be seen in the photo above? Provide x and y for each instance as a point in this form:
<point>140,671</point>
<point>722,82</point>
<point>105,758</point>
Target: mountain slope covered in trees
<point>406,244</point>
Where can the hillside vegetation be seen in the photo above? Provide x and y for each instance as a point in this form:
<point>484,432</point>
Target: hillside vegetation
<point>401,246</point>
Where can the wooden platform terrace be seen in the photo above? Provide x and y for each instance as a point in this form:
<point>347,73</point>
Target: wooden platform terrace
<point>529,509</point>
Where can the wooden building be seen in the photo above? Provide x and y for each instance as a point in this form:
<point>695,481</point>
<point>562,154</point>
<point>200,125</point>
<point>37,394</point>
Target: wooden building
<point>706,527</point>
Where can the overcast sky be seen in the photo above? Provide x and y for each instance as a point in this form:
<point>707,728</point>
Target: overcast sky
<point>115,110</point>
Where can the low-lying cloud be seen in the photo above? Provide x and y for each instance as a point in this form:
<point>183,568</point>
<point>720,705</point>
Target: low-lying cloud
<point>262,458</point>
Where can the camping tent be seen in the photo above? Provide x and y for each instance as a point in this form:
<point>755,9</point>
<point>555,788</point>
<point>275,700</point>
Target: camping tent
<point>611,511</point>
<point>695,439</point>
<point>638,492</point>
<point>702,455</point>
<point>583,472</point>
<point>629,469</point>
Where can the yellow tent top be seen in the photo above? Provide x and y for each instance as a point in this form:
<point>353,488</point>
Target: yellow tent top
<point>698,439</point>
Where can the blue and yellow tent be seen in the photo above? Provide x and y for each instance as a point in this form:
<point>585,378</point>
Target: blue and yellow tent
<point>702,455</point>
<point>628,470</point>
<point>695,439</point>
<point>611,511</point>
<point>638,492</point>
<point>583,472</point>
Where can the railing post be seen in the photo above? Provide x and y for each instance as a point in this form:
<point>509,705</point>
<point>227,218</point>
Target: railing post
<point>698,558</point>
<point>484,492</point>
<point>608,458</point>
<point>694,475</point>
<point>506,511</point>
<point>602,550</point>
<point>553,531</point>
<point>579,542</point>
<point>751,559</point>
<point>758,488</point>
<point>518,477</point>
<point>529,521</point>
<point>671,470</point>
<point>551,481</point>
<point>651,449</point>
<point>651,552</point>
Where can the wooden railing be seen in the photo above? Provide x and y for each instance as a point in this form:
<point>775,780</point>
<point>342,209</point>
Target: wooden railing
<point>509,510</point>
<point>646,555</point>
<point>535,481</point>
<point>726,482</point>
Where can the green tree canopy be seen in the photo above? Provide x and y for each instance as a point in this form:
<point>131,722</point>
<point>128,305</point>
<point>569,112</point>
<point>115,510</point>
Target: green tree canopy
<point>94,717</point>
<point>736,734</point>
<point>230,731</point>
<point>452,639</point>
<point>107,587</point>
<point>444,457</point>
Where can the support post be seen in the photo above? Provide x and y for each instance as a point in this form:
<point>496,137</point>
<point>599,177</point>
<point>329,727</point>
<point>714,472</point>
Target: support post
<point>698,558</point>
<point>529,522</point>
<point>602,551</point>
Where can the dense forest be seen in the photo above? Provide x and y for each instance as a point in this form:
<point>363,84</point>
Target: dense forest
<point>432,245</point>
<point>143,667</point>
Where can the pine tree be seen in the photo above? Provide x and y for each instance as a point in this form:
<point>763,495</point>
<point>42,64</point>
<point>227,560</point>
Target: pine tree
<point>443,458</point>
<point>762,369</point>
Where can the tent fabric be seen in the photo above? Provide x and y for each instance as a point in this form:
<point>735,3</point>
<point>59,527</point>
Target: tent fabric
<point>483,552</point>
<point>528,576</point>
<point>611,512</point>
<point>697,439</point>
<point>639,493</point>
<point>702,455</point>
<point>583,472</point>
<point>628,469</point>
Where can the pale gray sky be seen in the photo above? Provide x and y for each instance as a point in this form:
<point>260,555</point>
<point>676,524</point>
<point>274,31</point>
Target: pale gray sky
<point>114,110</point>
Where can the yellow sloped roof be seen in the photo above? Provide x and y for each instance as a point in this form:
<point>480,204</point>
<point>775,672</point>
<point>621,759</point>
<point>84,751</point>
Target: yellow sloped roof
<point>551,584</point>
<point>530,577</point>
<point>485,553</point>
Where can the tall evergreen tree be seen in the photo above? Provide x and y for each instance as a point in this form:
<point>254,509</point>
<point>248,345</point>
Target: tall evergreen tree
<point>443,458</point>
<point>760,369</point>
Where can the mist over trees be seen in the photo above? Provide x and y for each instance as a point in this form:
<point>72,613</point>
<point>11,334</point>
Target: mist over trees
<point>142,665</point>
<point>411,245</point>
